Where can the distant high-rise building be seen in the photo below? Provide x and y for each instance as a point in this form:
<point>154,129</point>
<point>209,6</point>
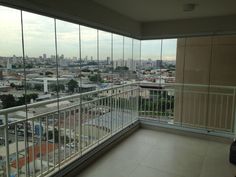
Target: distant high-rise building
<point>108,60</point>
<point>44,56</point>
<point>158,63</point>
<point>1,75</point>
<point>53,56</point>
<point>14,59</point>
<point>9,65</point>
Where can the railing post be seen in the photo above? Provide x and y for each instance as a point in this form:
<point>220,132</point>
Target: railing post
<point>234,113</point>
<point>137,100</point>
<point>7,146</point>
<point>111,107</point>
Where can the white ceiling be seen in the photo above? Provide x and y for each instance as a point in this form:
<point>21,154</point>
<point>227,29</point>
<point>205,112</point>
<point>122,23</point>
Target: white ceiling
<point>159,10</point>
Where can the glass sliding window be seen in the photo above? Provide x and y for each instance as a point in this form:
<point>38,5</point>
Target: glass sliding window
<point>168,76</point>
<point>11,61</point>
<point>68,83</point>
<point>12,85</point>
<point>118,63</point>
<point>128,76</point>
<point>91,80</point>
<point>106,71</point>
<point>41,71</point>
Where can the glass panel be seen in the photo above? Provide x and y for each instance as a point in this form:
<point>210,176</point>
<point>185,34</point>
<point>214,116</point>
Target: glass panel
<point>11,61</point>
<point>41,70</point>
<point>103,118</point>
<point>128,76</point>
<point>91,81</point>
<point>40,57</point>
<point>118,64</point>
<point>168,76</point>
<point>11,85</point>
<point>68,83</point>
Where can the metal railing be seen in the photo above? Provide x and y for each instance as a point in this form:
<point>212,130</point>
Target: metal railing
<point>208,107</point>
<point>53,132</point>
<point>47,135</point>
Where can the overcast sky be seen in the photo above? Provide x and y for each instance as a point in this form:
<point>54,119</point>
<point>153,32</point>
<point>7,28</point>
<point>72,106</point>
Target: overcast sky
<point>39,39</point>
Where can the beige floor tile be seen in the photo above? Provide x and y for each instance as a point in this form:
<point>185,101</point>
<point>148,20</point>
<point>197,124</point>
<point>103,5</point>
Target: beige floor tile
<point>144,171</point>
<point>149,153</point>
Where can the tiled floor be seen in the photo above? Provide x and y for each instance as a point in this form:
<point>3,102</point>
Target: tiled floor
<point>148,153</point>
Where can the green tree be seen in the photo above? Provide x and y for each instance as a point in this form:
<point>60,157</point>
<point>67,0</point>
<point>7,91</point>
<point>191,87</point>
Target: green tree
<point>12,85</point>
<point>95,78</point>
<point>56,135</point>
<point>25,99</point>
<point>8,101</point>
<point>29,65</point>
<point>54,87</point>
<point>72,85</point>
<point>121,68</point>
<point>38,87</point>
<point>48,73</point>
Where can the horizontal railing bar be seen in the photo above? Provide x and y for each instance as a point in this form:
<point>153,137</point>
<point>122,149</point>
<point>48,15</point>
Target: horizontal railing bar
<point>65,108</point>
<point>17,108</point>
<point>197,85</point>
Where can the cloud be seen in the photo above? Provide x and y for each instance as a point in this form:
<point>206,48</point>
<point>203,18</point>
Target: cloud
<point>151,49</point>
<point>39,37</point>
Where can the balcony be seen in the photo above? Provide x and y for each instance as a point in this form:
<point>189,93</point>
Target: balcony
<point>48,138</point>
<point>60,134</point>
<point>175,103</point>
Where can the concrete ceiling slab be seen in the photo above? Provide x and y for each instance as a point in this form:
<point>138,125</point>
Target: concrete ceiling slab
<point>160,10</point>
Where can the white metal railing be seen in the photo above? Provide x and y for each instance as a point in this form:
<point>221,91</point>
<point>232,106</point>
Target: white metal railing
<point>209,107</point>
<point>52,133</point>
